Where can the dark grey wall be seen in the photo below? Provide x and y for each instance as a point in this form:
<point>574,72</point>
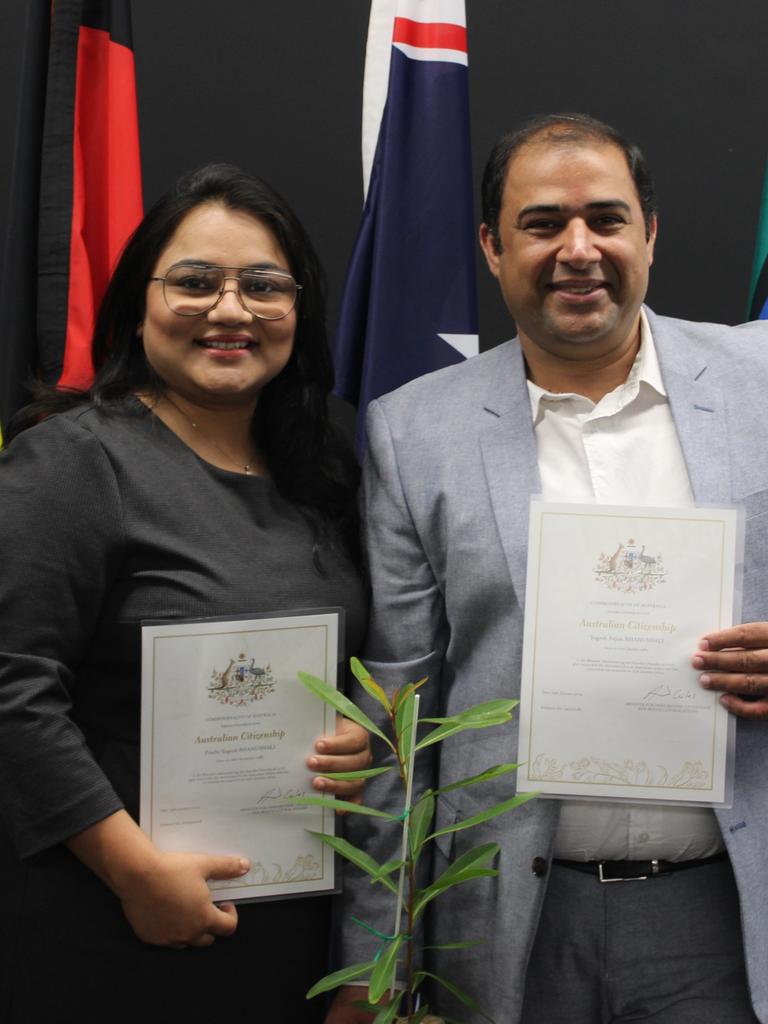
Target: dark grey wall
<point>276,87</point>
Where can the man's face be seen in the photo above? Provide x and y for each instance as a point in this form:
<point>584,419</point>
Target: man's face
<point>574,259</point>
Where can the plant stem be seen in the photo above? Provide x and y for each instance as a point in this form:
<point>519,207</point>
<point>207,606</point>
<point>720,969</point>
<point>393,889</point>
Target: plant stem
<point>406,757</point>
<point>409,945</point>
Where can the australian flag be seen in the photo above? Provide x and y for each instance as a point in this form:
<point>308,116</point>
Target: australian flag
<point>410,301</point>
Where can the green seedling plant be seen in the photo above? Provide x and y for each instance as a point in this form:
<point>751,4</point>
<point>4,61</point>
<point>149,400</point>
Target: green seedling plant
<point>397,957</point>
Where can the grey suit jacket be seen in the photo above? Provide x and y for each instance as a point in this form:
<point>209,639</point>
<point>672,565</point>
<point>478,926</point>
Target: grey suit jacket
<point>452,464</point>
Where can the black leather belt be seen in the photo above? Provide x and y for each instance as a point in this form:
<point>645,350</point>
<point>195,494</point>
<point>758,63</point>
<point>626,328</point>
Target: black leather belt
<point>636,870</point>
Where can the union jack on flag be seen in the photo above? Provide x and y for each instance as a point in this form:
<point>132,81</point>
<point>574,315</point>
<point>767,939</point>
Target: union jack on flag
<point>410,302</point>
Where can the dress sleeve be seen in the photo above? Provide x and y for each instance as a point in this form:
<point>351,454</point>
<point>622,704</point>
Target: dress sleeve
<point>61,538</point>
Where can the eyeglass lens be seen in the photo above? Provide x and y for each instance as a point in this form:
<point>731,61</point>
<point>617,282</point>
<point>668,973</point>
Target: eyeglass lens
<point>190,291</point>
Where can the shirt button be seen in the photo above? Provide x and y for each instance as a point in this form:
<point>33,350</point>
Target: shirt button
<point>643,837</point>
<point>539,866</point>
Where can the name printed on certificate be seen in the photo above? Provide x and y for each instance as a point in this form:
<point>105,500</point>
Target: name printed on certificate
<point>617,599</point>
<point>226,728</point>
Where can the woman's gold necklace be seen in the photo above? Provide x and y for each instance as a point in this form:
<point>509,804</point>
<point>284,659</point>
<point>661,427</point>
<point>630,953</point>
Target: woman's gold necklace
<point>247,468</point>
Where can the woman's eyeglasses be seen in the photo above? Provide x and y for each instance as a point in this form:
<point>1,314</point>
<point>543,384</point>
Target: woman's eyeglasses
<point>192,290</point>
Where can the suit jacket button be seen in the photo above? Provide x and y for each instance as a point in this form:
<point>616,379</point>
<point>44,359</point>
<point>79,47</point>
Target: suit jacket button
<point>539,867</point>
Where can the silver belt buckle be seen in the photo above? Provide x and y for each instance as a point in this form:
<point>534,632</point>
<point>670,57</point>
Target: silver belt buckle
<point>635,878</point>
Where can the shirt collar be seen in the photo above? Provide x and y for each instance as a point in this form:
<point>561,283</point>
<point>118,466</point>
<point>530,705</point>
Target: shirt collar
<point>645,370</point>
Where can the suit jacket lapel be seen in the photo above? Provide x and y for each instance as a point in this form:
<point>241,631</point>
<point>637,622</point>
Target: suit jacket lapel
<point>698,409</point>
<point>508,443</point>
<point>510,463</point>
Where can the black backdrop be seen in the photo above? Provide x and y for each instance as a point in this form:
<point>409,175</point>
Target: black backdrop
<point>276,87</point>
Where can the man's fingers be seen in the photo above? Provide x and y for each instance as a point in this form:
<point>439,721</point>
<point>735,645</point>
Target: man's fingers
<point>742,684</point>
<point>744,662</point>
<point>348,750</point>
<point>757,709</point>
<point>747,634</point>
<point>735,662</point>
<point>353,763</point>
<point>347,790</point>
<point>349,738</point>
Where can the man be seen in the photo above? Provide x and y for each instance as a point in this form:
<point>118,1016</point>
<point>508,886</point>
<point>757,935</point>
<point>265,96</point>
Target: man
<point>597,399</point>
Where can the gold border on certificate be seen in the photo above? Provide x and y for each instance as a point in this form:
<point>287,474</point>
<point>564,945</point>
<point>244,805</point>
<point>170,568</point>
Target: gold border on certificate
<point>616,601</point>
<point>226,729</point>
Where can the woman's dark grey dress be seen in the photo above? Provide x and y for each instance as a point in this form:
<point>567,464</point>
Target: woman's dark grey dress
<point>105,521</point>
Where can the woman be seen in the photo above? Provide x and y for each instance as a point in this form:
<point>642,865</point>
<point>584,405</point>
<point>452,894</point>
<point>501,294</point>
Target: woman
<point>199,477</point>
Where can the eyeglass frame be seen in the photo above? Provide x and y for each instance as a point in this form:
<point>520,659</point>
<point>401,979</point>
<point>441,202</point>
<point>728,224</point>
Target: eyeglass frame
<point>238,293</point>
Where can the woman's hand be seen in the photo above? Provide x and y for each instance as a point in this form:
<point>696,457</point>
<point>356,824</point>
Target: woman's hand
<point>349,750</point>
<point>168,902</point>
<point>164,895</point>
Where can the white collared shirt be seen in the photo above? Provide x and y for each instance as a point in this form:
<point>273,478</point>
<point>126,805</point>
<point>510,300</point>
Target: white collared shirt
<point>622,450</point>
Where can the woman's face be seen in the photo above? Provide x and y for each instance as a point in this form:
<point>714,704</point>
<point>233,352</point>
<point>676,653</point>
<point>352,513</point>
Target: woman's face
<point>223,358</point>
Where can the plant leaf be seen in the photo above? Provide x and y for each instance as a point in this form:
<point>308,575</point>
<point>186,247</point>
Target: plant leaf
<point>341,703</point>
<point>364,773</point>
<point>362,1004</point>
<point>480,855</point>
<point>388,1013</point>
<point>369,684</point>
<point>460,994</point>
<point>442,732</point>
<point>491,812</point>
<point>387,869</point>
<point>489,773</point>
<point>490,707</point>
<point>401,694</point>
<point>404,723</point>
<point>340,978</point>
<point>458,724</point>
<point>340,805</point>
<point>358,857</point>
<point>503,706</point>
<point>424,896</point>
<point>384,971</point>
<point>421,819</point>
<point>397,696</point>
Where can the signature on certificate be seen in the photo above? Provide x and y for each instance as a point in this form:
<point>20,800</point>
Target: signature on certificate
<point>278,793</point>
<point>666,692</point>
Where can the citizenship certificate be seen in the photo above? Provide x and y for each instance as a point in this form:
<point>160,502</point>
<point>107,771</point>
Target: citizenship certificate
<point>617,599</point>
<point>225,732</point>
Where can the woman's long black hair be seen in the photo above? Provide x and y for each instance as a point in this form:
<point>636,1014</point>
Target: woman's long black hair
<point>309,462</point>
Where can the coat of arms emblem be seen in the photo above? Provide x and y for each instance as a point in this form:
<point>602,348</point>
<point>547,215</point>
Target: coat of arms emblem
<point>630,568</point>
<point>241,682</point>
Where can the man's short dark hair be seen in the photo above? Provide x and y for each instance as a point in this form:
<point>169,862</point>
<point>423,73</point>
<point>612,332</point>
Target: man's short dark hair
<point>561,130</point>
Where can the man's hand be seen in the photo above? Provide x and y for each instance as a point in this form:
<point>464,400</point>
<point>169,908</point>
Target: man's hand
<point>342,1011</point>
<point>349,750</point>
<point>735,661</point>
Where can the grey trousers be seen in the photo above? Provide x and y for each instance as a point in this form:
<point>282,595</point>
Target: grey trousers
<point>667,951</point>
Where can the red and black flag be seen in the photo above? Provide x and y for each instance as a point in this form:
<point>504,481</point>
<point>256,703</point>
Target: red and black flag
<point>75,190</point>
